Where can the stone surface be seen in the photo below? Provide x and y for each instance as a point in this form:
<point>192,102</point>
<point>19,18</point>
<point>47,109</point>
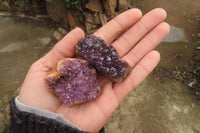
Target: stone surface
<point>92,31</point>
<point>5,13</point>
<point>57,11</point>
<point>81,19</point>
<point>63,31</point>
<point>96,19</point>
<point>110,6</point>
<point>103,18</point>
<point>89,17</point>
<point>103,57</point>
<point>5,6</point>
<point>44,40</point>
<point>58,35</point>
<point>71,20</point>
<point>77,17</point>
<point>41,17</point>
<point>89,22</point>
<point>15,46</point>
<point>198,34</point>
<point>94,5</point>
<point>89,26</point>
<point>122,5</point>
<point>76,12</point>
<point>74,81</point>
<point>176,35</point>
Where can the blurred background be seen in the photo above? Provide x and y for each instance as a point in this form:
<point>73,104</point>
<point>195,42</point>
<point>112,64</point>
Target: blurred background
<point>168,101</point>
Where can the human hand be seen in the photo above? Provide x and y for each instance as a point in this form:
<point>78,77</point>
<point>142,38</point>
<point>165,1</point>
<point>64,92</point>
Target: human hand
<point>141,35</point>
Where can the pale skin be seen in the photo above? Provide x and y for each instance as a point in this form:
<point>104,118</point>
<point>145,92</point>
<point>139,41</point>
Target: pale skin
<point>141,34</point>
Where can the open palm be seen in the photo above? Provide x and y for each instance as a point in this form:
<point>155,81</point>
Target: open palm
<point>141,35</point>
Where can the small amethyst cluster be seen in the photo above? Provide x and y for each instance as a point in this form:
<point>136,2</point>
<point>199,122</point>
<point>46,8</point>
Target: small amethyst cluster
<point>74,81</point>
<point>103,57</point>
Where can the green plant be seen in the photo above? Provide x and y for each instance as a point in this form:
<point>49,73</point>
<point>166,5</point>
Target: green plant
<point>21,3</point>
<point>178,74</point>
<point>197,44</point>
<point>1,130</point>
<point>74,3</point>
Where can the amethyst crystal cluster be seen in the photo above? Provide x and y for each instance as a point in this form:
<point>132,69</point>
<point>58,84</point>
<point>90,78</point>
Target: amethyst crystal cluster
<point>74,81</point>
<point>103,57</point>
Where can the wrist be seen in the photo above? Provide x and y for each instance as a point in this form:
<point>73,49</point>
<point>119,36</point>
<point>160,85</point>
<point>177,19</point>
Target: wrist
<point>45,113</point>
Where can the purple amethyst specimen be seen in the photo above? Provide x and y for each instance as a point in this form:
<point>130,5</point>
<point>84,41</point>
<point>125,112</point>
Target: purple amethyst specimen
<point>75,81</point>
<point>104,57</point>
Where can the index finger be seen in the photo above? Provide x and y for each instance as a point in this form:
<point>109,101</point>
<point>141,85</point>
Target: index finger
<point>119,24</point>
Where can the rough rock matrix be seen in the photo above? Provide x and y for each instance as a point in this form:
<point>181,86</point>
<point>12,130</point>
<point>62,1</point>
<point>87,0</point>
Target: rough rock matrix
<point>74,81</point>
<point>104,57</point>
